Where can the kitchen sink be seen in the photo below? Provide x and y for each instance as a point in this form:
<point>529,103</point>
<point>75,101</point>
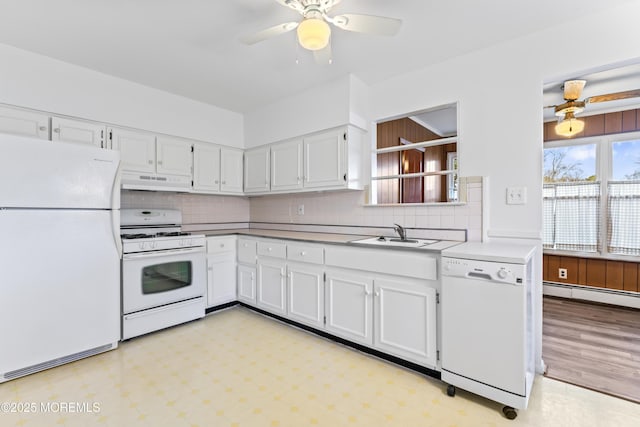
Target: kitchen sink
<point>394,242</point>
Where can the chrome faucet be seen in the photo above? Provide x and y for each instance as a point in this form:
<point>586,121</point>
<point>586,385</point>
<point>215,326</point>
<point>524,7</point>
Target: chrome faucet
<point>401,231</point>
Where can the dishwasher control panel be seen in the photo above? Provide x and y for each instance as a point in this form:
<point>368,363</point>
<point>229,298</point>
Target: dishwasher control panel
<point>481,270</point>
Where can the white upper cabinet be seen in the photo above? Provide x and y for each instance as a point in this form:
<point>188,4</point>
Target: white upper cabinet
<point>329,160</point>
<point>324,159</point>
<point>78,131</point>
<point>24,123</point>
<point>137,149</point>
<point>206,167</point>
<point>173,156</point>
<point>231,168</point>
<point>286,165</point>
<point>256,170</point>
<point>217,169</point>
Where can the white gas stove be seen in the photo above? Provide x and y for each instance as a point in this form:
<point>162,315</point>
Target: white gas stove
<point>163,271</point>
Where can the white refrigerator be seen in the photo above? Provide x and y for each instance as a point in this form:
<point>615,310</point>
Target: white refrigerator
<point>60,253</point>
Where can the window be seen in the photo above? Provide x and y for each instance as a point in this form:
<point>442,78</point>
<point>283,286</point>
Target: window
<point>623,207</point>
<point>591,195</point>
<point>416,158</point>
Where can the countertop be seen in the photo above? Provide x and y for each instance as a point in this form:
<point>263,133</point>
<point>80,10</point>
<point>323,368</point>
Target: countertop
<point>510,253</point>
<point>316,237</point>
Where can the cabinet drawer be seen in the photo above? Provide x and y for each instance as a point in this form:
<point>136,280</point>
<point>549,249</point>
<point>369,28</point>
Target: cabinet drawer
<point>247,251</point>
<point>304,253</point>
<point>272,249</point>
<point>221,244</point>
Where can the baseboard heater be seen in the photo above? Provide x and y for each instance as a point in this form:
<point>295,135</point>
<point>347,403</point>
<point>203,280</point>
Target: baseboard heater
<point>587,293</point>
<point>55,362</point>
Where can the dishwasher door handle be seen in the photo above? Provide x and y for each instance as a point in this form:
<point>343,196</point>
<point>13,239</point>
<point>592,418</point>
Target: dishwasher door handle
<point>483,276</point>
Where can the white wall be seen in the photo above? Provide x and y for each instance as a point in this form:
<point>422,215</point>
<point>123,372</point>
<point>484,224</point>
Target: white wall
<point>35,81</point>
<point>317,109</point>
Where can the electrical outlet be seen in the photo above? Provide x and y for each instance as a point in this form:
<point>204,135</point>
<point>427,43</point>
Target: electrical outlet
<point>300,209</point>
<point>516,195</point>
<point>562,273</point>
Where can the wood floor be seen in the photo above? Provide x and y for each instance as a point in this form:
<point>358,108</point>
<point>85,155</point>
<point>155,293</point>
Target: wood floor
<point>593,345</point>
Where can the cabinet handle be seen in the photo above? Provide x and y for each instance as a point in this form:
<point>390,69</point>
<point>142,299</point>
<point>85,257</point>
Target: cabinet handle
<point>210,268</point>
<point>224,182</point>
<point>269,249</point>
<point>159,162</point>
<point>150,162</point>
<point>303,253</point>
<point>42,128</point>
<point>57,130</point>
<point>376,293</point>
<point>215,182</point>
<point>222,245</point>
<point>367,292</point>
<point>289,276</point>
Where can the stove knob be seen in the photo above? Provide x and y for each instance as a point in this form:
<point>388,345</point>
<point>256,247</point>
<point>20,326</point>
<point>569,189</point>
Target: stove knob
<point>141,245</point>
<point>502,273</point>
<point>152,245</point>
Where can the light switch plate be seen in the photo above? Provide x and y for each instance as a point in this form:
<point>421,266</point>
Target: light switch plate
<point>516,195</point>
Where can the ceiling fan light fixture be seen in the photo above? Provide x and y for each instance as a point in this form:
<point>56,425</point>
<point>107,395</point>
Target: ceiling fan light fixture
<point>569,126</point>
<point>573,89</point>
<point>313,34</point>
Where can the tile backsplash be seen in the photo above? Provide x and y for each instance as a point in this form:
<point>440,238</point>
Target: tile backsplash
<point>344,208</point>
<point>196,208</point>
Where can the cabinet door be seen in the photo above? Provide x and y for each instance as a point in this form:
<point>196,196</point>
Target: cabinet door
<point>306,294</point>
<point>286,166</point>
<point>137,149</point>
<point>24,123</point>
<point>221,278</point>
<point>405,320</point>
<point>78,131</point>
<point>247,284</point>
<point>349,306</point>
<point>256,170</point>
<point>206,167</point>
<point>272,291</point>
<point>325,159</point>
<point>173,156</point>
<point>231,167</point>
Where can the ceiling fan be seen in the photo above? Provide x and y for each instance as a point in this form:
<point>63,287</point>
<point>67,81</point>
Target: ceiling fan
<point>568,125</point>
<point>314,31</point>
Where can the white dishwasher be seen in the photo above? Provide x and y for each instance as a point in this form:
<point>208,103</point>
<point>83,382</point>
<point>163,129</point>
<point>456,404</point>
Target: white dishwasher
<point>487,322</point>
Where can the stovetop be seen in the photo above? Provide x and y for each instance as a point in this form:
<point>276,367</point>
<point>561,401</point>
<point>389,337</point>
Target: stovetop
<point>151,235</point>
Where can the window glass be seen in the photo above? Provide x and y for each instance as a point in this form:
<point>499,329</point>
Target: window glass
<point>625,157</point>
<point>573,163</point>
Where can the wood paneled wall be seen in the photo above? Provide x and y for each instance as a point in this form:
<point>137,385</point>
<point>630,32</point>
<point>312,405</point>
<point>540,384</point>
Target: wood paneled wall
<point>600,124</point>
<point>599,273</point>
<point>434,159</point>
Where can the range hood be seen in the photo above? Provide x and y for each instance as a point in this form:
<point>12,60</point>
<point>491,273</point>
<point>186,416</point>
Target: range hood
<point>156,182</point>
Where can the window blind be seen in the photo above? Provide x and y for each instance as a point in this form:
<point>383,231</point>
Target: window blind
<point>623,226</point>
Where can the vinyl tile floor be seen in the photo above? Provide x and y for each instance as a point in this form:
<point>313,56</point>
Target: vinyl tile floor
<point>239,368</point>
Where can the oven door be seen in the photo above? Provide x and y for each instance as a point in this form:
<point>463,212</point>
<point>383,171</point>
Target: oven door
<point>152,279</point>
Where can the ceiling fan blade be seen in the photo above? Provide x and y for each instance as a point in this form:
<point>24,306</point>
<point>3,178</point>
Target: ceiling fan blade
<point>276,30</point>
<point>378,25</point>
<point>293,4</point>
<point>323,56</point>
<point>614,96</point>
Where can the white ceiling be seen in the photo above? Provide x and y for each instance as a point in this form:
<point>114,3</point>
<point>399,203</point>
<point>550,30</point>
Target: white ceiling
<point>191,47</point>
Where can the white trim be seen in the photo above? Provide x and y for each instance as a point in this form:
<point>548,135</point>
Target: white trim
<point>414,145</point>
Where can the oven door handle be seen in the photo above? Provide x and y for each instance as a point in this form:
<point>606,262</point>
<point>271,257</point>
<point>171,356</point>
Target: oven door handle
<point>153,254</point>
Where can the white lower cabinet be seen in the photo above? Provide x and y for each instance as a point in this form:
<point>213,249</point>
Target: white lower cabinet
<point>405,319</point>
<point>272,289</point>
<point>247,284</point>
<point>221,270</point>
<point>349,306</point>
<point>305,286</point>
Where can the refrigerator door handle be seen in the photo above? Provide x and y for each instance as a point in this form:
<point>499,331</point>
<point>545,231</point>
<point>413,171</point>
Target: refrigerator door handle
<point>115,210</point>
<point>115,231</point>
